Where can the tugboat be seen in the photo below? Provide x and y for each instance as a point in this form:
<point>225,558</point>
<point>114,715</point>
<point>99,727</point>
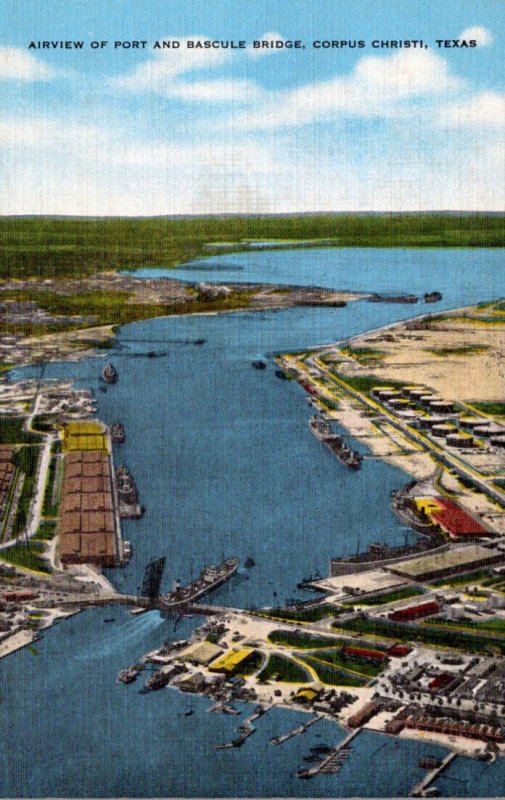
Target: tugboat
<point>109,374</point>
<point>432,297</point>
<point>117,433</point>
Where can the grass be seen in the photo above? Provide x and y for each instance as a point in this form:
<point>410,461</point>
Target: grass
<point>496,626</point>
<point>400,594</point>
<point>48,509</point>
<point>302,641</point>
<point>493,409</point>
<point>27,556</point>
<point>427,635</point>
<point>26,460</point>
<point>363,355</point>
<point>282,668</point>
<point>46,531</point>
<point>333,676</point>
<point>11,431</point>
<point>305,615</point>
<point>471,349</point>
<point>365,383</point>
<point>62,247</point>
<point>462,580</point>
<point>335,658</point>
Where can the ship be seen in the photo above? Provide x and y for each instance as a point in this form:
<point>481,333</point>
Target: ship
<point>126,489</point>
<point>209,579</point>
<point>432,297</point>
<point>323,432</point>
<point>117,433</point>
<point>109,373</point>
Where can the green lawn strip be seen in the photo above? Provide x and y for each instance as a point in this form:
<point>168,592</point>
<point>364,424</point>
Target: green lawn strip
<point>425,634</point>
<point>11,431</point>
<point>304,615</point>
<point>283,668</point>
<point>493,409</point>
<point>48,509</point>
<point>466,350</point>
<point>331,675</point>
<point>462,580</point>
<point>353,664</point>
<point>301,640</point>
<point>365,383</point>
<point>28,555</point>
<point>26,459</point>
<point>45,532</point>
<point>493,626</point>
<point>400,594</point>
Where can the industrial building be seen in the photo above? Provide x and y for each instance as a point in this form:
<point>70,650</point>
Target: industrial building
<point>232,661</point>
<point>450,517</point>
<point>415,612</point>
<point>88,532</point>
<point>462,559</point>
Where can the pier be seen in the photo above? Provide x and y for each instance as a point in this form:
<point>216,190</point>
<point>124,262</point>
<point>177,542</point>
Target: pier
<point>296,731</point>
<point>245,730</point>
<point>420,788</point>
<point>333,760</point>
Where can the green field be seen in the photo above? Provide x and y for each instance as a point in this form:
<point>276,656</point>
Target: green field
<point>418,633</point>
<point>304,615</point>
<point>284,669</point>
<point>56,246</point>
<point>302,641</point>
<point>332,675</point>
<point>11,431</point>
<point>378,600</point>
<point>336,658</point>
<point>27,555</point>
<point>494,409</point>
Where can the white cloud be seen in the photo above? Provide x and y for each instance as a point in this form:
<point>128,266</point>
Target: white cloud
<point>482,36</point>
<point>16,64</point>
<point>254,52</point>
<point>376,88</point>
<point>485,111</point>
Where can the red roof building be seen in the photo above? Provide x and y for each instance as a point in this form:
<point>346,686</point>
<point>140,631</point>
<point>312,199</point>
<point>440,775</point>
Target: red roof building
<point>455,521</point>
<point>363,652</point>
<point>399,650</point>
<point>415,612</point>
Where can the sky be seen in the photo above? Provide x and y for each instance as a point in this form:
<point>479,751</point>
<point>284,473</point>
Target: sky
<point>110,128</point>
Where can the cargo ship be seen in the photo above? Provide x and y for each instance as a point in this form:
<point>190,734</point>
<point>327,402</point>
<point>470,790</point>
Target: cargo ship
<point>209,579</point>
<point>117,433</point>
<point>394,298</point>
<point>109,374</point>
<point>334,442</point>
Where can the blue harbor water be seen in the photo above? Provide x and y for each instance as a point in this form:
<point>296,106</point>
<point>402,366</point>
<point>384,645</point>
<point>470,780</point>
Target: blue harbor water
<point>225,465</point>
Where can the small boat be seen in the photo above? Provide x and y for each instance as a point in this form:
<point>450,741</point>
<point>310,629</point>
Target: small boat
<point>259,364</point>
<point>188,712</point>
<point>109,373</point>
<point>200,341</point>
<point>249,563</point>
<point>110,619</point>
<point>117,433</point>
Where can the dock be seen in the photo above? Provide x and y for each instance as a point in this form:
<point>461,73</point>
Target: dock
<point>296,731</point>
<point>245,730</point>
<point>333,761</point>
<point>420,788</point>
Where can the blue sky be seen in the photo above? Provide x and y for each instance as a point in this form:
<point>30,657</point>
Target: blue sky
<point>140,131</point>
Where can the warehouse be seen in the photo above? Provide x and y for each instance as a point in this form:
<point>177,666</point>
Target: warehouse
<point>462,559</point>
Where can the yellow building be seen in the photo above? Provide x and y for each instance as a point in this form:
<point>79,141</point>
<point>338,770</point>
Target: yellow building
<point>232,660</point>
<point>428,505</point>
<point>88,435</point>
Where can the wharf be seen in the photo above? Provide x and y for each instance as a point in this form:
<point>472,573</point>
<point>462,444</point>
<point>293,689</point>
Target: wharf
<point>296,731</point>
<point>245,730</point>
<point>333,760</point>
<point>420,788</point>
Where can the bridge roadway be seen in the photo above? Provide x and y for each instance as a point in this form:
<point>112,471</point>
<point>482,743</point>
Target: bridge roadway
<point>115,598</point>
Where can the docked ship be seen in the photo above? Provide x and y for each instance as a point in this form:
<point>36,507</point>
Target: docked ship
<point>334,442</point>
<point>117,433</point>
<point>109,373</point>
<point>127,495</point>
<point>209,579</point>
